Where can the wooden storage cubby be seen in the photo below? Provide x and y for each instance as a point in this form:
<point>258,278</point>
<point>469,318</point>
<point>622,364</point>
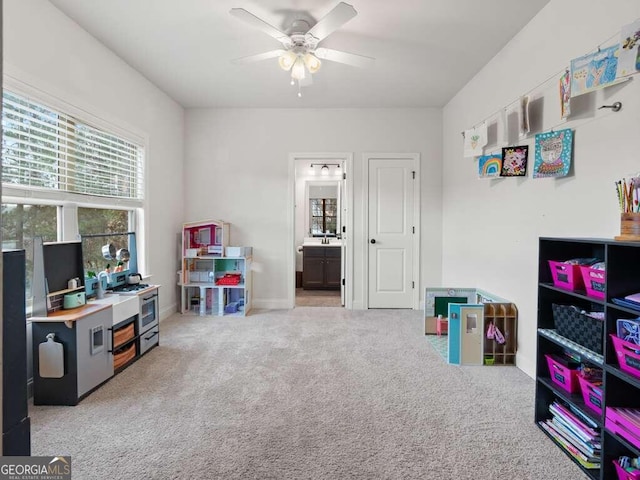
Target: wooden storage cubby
<point>619,389</point>
<point>505,317</point>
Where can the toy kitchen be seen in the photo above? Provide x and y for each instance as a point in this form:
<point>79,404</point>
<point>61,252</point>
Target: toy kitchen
<point>88,326</point>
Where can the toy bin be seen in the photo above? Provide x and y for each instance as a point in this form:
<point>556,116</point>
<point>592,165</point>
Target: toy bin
<point>624,475</point>
<point>578,326</point>
<point>562,373</point>
<point>594,281</point>
<point>591,394</point>
<point>628,355</point>
<point>624,422</point>
<point>566,275</point>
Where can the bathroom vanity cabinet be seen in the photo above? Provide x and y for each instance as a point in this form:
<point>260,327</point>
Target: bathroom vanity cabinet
<point>321,267</point>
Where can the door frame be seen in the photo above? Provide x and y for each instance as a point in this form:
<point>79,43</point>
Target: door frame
<point>347,220</point>
<point>415,273</point>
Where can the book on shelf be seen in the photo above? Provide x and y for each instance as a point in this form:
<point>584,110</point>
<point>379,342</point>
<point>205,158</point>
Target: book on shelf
<point>573,451</point>
<point>591,451</point>
<point>583,431</point>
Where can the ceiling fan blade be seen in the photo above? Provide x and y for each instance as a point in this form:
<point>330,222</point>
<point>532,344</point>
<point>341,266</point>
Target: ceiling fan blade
<point>341,14</point>
<point>258,57</point>
<point>344,57</point>
<point>260,24</point>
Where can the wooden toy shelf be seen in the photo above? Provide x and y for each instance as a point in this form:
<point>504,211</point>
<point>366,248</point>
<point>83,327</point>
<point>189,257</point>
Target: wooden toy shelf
<point>505,317</point>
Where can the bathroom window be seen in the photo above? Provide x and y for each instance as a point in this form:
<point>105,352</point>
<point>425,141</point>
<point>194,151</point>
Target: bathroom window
<point>324,216</point>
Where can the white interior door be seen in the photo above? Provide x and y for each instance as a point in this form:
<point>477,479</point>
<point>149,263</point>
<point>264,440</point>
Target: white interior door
<point>391,232</point>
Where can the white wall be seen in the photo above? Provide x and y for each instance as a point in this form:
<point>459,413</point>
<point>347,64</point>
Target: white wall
<point>49,52</point>
<point>491,227</point>
<point>236,169</point>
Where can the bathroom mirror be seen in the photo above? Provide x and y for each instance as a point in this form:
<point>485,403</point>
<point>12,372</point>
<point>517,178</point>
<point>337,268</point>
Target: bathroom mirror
<point>323,209</point>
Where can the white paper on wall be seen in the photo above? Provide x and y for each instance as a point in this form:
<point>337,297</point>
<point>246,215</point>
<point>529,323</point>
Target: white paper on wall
<point>474,140</point>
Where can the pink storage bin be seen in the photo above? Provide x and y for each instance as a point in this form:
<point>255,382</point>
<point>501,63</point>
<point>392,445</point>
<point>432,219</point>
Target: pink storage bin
<point>566,275</point>
<point>562,375</point>
<point>591,394</point>
<point>623,474</point>
<point>627,355</point>
<point>594,281</point>
<point>624,422</point>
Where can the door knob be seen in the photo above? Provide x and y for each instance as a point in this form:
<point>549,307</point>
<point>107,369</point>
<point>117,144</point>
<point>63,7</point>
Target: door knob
<point>373,240</point>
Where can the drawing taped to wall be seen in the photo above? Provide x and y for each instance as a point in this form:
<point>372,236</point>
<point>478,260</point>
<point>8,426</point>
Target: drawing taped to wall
<point>565,94</point>
<point>514,161</point>
<point>474,140</point>
<point>489,166</point>
<point>629,61</point>
<point>594,71</point>
<point>553,154</point>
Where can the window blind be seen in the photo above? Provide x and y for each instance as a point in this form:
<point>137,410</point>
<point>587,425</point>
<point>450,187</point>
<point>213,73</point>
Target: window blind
<point>46,149</point>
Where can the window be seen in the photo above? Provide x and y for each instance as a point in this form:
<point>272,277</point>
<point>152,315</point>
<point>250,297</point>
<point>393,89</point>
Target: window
<point>324,216</point>
<point>63,176</point>
<point>100,220</point>
<point>20,224</point>
<point>46,149</point>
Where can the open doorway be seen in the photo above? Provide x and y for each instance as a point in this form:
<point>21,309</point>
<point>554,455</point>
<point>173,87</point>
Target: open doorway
<point>321,267</point>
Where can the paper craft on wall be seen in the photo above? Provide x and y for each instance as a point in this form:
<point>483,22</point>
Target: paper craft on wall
<point>524,116</point>
<point>489,166</point>
<point>629,61</point>
<point>565,94</point>
<point>474,140</point>
<point>553,154</point>
<point>514,161</point>
<point>594,71</point>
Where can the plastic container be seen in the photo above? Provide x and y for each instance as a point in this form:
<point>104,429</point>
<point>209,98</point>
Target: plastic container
<point>594,281</point>
<point>566,275</point>
<point>628,355</point>
<point>591,394</point>
<point>562,374</point>
<point>624,422</point>
<point>624,475</point>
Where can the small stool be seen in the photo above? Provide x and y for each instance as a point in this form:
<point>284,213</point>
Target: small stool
<point>442,322</point>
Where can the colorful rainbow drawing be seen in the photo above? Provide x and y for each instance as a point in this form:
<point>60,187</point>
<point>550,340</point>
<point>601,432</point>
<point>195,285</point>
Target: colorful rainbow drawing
<point>489,165</point>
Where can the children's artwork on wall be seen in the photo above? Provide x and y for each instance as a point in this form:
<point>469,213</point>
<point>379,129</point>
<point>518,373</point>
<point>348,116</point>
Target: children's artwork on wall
<point>514,161</point>
<point>524,116</point>
<point>474,140</point>
<point>629,61</point>
<point>553,154</point>
<point>594,71</point>
<point>489,166</point>
<point>565,95</point>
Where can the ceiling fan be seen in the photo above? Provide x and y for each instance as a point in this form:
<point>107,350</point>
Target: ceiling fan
<point>300,53</point>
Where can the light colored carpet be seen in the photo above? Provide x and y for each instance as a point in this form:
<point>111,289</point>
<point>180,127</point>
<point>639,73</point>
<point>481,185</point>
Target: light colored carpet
<point>306,393</point>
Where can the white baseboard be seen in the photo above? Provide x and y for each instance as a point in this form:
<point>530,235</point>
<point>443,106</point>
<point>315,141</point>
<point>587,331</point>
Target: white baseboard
<point>357,306</point>
<point>271,303</point>
<point>166,312</point>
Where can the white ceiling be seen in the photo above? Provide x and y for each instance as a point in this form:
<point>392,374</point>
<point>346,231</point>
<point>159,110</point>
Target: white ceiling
<point>425,50</point>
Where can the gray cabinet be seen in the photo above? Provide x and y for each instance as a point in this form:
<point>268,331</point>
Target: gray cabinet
<point>88,361</point>
<point>321,268</point>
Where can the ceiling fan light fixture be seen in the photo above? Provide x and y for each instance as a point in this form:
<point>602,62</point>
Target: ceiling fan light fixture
<point>312,62</point>
<point>287,60</point>
<point>298,70</point>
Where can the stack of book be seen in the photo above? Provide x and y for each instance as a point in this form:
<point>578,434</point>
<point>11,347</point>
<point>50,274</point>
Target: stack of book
<point>575,432</point>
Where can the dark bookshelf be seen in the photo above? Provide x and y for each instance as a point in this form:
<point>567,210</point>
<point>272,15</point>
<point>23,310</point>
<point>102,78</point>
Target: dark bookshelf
<point>620,389</point>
